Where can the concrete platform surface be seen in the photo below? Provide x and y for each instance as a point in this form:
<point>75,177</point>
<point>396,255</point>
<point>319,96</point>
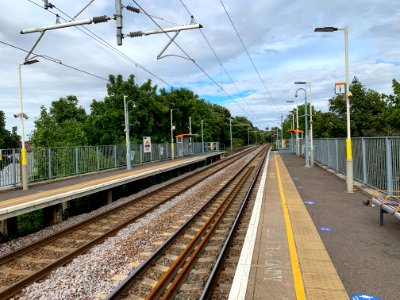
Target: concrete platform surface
<point>315,241</point>
<point>15,202</point>
<point>366,256</point>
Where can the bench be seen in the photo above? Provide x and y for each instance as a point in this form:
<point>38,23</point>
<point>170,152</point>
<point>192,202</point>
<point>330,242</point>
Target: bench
<point>388,204</point>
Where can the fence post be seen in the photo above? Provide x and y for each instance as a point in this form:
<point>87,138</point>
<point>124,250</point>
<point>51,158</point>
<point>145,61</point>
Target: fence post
<point>141,153</point>
<point>389,171</point>
<point>337,154</point>
<point>49,160</point>
<point>14,169</point>
<point>115,156</point>
<point>364,161</point>
<point>97,158</point>
<point>76,160</point>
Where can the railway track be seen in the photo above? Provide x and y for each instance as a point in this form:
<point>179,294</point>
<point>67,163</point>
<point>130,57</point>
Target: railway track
<point>35,261</point>
<point>187,264</point>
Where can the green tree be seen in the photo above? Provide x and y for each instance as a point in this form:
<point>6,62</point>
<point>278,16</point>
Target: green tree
<point>366,112</point>
<point>62,125</point>
<point>392,113</point>
<point>7,139</point>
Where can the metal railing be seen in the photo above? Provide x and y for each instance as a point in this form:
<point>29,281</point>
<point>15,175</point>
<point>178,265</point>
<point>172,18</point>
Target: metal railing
<point>376,160</point>
<point>59,162</point>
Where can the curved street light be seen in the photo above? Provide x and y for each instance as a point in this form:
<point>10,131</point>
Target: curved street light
<point>22,116</point>
<point>297,126</point>
<point>349,154</point>
<point>305,126</point>
<point>127,136</point>
<point>311,122</point>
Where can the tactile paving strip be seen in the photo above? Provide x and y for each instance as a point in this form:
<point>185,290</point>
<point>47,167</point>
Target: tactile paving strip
<point>320,278</point>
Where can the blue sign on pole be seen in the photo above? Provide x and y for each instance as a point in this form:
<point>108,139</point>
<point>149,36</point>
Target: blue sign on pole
<point>363,297</point>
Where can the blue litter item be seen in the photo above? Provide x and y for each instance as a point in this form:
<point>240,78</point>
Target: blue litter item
<point>363,297</point>
<point>326,229</point>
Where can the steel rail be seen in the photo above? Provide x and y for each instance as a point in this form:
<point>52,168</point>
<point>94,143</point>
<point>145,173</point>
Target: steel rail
<point>18,286</point>
<point>197,245</point>
<point>124,286</point>
<point>4,259</point>
<point>207,287</point>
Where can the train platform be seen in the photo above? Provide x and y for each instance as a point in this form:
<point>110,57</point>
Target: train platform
<point>14,202</point>
<point>309,239</point>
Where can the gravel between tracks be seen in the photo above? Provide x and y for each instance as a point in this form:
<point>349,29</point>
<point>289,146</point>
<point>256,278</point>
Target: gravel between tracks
<point>94,274</point>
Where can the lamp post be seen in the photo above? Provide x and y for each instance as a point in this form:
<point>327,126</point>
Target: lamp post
<point>172,136</point>
<point>202,137</point>
<point>127,135</point>
<point>311,123</point>
<point>297,127</point>
<point>305,126</point>
<point>230,130</point>
<point>22,116</point>
<point>349,154</point>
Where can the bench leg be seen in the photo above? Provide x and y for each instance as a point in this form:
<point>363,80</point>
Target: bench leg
<point>381,216</point>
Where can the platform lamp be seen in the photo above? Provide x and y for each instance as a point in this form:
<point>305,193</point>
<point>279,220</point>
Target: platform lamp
<point>202,136</point>
<point>172,131</point>
<point>22,116</point>
<point>127,135</point>
<point>297,126</point>
<point>311,122</point>
<point>305,126</point>
<point>349,154</point>
<point>230,131</point>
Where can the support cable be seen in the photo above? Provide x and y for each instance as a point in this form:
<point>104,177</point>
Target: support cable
<point>54,60</point>
<point>220,62</point>
<point>104,43</point>
<point>190,58</point>
<point>248,54</point>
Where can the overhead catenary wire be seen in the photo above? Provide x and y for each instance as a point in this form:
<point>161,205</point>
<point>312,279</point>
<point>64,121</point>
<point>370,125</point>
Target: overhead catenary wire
<point>191,59</point>
<point>219,61</point>
<point>247,52</point>
<point>104,43</point>
<point>54,60</point>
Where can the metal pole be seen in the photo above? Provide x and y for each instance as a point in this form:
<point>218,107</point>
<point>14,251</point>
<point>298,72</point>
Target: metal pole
<point>311,132</point>
<point>24,160</point>
<point>248,136</point>
<point>349,156</point>
<point>305,126</point>
<point>172,137</point>
<point>306,129</point>
<point>297,133</point>
<point>127,137</point>
<point>230,130</point>
<point>281,131</point>
<point>291,134</point>
<point>202,137</point>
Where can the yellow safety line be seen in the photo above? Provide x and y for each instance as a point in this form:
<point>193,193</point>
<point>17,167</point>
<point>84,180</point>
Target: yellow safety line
<point>297,278</point>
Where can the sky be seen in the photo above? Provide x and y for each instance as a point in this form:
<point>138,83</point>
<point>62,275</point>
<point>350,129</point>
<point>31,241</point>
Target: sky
<point>246,57</point>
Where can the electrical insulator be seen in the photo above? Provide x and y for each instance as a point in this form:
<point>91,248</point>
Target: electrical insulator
<point>100,19</point>
<point>134,9</point>
<point>135,34</point>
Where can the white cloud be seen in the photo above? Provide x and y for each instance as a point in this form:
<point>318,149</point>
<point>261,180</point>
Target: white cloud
<point>278,34</point>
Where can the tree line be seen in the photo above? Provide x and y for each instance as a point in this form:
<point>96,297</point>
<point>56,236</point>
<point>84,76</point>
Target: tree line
<point>66,123</point>
<point>371,114</point>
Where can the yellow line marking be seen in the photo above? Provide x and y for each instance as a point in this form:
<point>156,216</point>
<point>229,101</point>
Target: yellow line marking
<point>297,278</point>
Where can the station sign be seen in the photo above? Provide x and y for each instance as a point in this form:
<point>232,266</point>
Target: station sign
<point>340,88</point>
<point>147,144</point>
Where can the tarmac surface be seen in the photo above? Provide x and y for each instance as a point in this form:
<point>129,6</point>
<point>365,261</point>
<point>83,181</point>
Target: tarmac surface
<point>365,254</point>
